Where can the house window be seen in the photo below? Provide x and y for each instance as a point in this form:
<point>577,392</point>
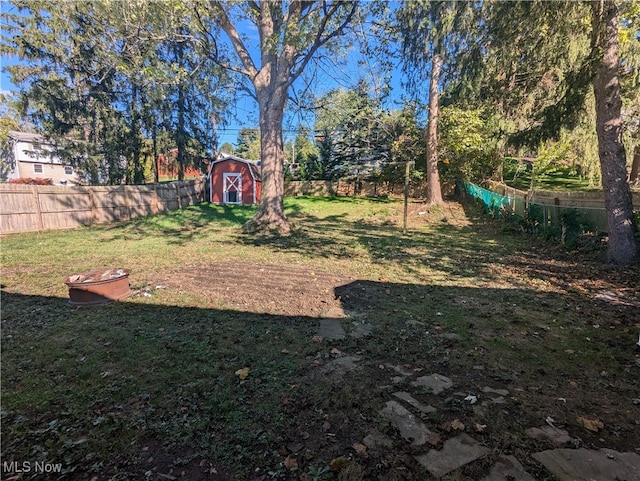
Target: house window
<point>68,170</point>
<point>38,169</point>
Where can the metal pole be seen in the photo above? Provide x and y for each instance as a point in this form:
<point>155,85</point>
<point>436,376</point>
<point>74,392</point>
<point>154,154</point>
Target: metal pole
<point>407,166</point>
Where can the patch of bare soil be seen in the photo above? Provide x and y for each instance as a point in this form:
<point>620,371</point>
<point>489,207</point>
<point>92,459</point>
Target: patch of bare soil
<point>261,288</point>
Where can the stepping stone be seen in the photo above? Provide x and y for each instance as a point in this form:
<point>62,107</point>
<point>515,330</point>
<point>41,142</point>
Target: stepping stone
<point>508,468</point>
<point>331,329</point>
<point>497,392</point>
<point>335,369</point>
<point>406,397</point>
<point>346,363</point>
<point>455,453</point>
<point>377,440</point>
<point>411,429</point>
<point>400,370</point>
<point>590,465</point>
<point>434,382</point>
<point>559,437</point>
<point>361,330</point>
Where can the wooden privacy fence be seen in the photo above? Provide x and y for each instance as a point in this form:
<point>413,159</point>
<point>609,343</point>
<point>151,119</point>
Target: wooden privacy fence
<point>362,188</point>
<point>28,208</point>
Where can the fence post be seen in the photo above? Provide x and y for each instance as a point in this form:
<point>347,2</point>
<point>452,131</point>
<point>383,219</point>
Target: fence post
<point>127,200</point>
<point>36,205</point>
<point>156,202</point>
<point>92,201</point>
<point>178,197</point>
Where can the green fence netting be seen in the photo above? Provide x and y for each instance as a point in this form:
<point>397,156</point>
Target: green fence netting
<point>549,220</point>
<point>492,201</point>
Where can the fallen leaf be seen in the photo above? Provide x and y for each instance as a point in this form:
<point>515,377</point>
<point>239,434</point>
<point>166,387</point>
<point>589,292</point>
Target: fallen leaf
<point>479,428</point>
<point>295,447</point>
<point>335,351</point>
<point>434,439</point>
<point>360,449</point>
<point>291,463</point>
<point>242,373</point>
<point>457,425</point>
<point>317,338</point>
<point>338,463</point>
<point>326,426</point>
<point>594,425</point>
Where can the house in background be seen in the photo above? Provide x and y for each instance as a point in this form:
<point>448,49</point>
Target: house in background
<point>33,158</point>
<point>167,165</point>
<point>233,180</point>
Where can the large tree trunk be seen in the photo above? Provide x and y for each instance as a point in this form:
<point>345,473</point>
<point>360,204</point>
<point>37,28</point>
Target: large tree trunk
<point>270,216</point>
<point>434,191</point>
<point>622,247</point>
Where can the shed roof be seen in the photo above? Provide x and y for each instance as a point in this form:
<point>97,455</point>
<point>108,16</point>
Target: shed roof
<point>254,165</point>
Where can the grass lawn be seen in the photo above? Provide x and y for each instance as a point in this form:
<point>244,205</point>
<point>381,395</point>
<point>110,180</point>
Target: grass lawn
<point>560,178</point>
<point>213,369</point>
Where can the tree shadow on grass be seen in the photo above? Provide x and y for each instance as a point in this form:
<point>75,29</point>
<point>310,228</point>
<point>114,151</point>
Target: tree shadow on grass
<point>133,387</point>
<point>181,226</point>
<point>467,251</point>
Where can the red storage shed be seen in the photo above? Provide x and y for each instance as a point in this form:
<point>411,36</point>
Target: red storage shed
<point>233,180</point>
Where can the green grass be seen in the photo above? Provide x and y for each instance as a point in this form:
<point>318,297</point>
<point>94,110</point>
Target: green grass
<point>105,389</point>
<point>559,178</point>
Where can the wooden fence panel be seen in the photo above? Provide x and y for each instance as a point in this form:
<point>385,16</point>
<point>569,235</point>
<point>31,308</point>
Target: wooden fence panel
<point>28,208</point>
<point>63,208</point>
<point>364,188</point>
<point>19,208</point>
<point>110,204</point>
<point>167,196</point>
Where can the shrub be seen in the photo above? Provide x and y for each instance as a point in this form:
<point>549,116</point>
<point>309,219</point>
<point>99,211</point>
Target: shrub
<point>32,181</point>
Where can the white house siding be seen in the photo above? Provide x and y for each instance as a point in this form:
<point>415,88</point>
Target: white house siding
<point>34,160</point>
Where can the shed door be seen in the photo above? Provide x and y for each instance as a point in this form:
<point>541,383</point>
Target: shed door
<point>232,188</point>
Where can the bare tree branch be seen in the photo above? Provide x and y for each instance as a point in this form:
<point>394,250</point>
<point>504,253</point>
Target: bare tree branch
<point>320,41</point>
<point>223,20</point>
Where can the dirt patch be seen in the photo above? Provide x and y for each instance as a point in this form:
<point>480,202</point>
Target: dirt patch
<point>261,288</point>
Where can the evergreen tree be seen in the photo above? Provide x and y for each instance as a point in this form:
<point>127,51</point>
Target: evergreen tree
<point>432,33</point>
